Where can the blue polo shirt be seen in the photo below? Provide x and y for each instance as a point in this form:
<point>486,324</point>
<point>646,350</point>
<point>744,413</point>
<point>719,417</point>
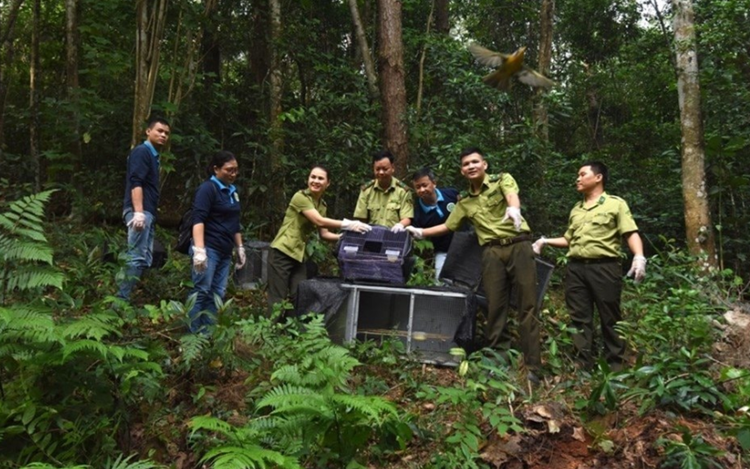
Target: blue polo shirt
<point>143,172</point>
<point>217,206</point>
<point>426,216</point>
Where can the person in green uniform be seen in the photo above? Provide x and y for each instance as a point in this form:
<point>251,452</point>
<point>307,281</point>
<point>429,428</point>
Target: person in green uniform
<point>492,205</point>
<point>305,214</point>
<point>596,227</point>
<point>385,200</point>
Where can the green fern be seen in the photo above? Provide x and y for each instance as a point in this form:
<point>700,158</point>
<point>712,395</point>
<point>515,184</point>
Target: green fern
<point>248,457</point>
<point>93,326</point>
<point>192,346</point>
<point>23,247</point>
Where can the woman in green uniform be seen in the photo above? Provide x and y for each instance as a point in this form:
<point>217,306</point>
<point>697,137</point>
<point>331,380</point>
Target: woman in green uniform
<point>305,214</point>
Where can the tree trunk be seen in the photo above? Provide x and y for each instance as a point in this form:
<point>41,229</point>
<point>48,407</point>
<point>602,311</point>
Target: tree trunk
<point>186,44</point>
<point>364,50</point>
<point>541,119</point>
<point>698,227</point>
<point>151,17</point>
<point>422,59</point>
<point>276,135</point>
<point>442,17</point>
<point>34,150</point>
<point>392,87</point>
<point>71,74</point>
<point>6,58</point>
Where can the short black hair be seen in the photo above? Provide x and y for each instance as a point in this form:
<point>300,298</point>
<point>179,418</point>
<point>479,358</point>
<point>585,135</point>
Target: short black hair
<point>379,155</point>
<point>597,167</point>
<point>153,120</point>
<point>422,172</point>
<point>469,150</point>
<point>219,159</point>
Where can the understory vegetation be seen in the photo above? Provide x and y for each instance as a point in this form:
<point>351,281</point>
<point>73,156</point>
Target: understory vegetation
<point>87,382</point>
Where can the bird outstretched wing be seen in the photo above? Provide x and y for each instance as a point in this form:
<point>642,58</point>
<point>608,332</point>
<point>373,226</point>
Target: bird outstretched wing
<point>488,57</point>
<point>531,77</point>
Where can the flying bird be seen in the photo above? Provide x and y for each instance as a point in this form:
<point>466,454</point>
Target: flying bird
<point>507,66</point>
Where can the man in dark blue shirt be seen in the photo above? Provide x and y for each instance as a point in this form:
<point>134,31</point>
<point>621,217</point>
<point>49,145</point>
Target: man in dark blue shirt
<point>140,204</point>
<point>432,208</point>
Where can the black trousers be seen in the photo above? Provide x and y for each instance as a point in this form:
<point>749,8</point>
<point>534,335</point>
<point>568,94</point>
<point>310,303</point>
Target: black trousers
<point>284,276</point>
<point>600,285</point>
<point>503,266</point>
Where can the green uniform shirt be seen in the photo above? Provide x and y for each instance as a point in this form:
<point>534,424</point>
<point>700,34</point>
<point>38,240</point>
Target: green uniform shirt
<point>486,210</point>
<point>296,228</point>
<point>597,231</point>
<point>384,207</point>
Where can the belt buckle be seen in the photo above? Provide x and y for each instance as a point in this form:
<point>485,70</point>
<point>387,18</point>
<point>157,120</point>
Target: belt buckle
<point>506,241</point>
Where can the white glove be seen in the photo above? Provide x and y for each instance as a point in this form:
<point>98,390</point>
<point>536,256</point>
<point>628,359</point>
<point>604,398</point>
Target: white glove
<point>200,260</point>
<point>514,213</point>
<point>638,269</point>
<point>397,228</point>
<point>138,222</point>
<point>355,225</point>
<point>417,233</point>
<point>538,245</point>
<point>241,258</point>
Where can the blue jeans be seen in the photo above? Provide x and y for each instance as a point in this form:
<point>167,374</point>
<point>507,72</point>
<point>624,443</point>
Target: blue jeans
<point>207,284</point>
<point>138,256</point>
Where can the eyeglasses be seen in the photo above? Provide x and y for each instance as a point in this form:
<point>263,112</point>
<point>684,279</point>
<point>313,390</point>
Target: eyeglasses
<point>234,170</point>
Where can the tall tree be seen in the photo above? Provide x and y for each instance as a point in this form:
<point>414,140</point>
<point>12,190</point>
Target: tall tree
<point>392,86</point>
<point>546,27</point>
<point>7,26</point>
<point>151,16</point>
<point>364,49</point>
<point>698,227</point>
<point>275,109</point>
<point>422,59</point>
<point>442,17</point>
<point>34,150</point>
<point>71,74</point>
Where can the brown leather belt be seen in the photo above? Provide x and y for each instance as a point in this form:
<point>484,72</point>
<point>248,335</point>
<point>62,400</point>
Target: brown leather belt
<point>593,260</point>
<point>509,241</point>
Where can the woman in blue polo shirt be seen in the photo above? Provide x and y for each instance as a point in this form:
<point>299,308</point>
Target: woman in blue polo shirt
<point>216,232</point>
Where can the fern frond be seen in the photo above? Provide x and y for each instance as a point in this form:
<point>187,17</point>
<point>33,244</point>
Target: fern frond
<point>93,326</point>
<point>124,463</point>
<point>248,457</point>
<point>374,407</point>
<point>192,346</point>
<point>86,345</point>
<point>17,249</point>
<point>212,424</point>
<point>22,325</point>
<point>26,277</point>
<point>288,374</point>
<point>288,395</point>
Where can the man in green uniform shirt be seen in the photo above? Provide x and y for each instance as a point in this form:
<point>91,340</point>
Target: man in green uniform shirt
<point>493,207</point>
<point>596,227</point>
<point>385,201</point>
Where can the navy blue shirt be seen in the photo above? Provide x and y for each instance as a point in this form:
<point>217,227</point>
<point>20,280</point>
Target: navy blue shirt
<point>143,172</point>
<point>426,216</point>
<point>217,206</point>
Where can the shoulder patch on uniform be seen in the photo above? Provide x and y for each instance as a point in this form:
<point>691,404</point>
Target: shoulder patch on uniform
<point>403,185</point>
<point>367,185</point>
<point>496,177</point>
<point>463,194</point>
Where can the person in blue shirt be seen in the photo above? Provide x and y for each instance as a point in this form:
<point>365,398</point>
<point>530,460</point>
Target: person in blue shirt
<point>433,207</point>
<point>216,233</point>
<point>140,205</point>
